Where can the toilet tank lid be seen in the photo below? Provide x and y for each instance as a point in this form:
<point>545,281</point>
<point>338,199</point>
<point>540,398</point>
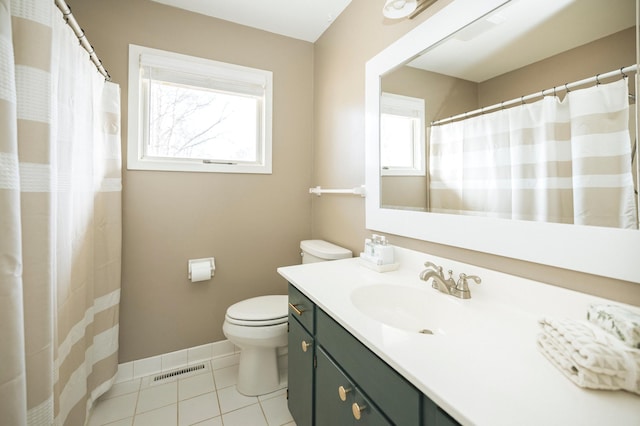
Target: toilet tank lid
<point>324,249</point>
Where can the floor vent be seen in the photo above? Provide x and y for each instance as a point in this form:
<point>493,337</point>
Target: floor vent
<point>178,372</point>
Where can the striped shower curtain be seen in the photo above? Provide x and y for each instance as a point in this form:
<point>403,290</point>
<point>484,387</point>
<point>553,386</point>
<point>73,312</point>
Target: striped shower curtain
<point>60,220</point>
<point>557,161</point>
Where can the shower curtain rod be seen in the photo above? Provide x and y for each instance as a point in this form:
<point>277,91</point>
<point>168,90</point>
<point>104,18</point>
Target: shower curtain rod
<point>82,38</point>
<point>595,79</point>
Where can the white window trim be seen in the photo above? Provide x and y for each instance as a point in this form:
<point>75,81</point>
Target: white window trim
<point>409,106</point>
<point>179,62</point>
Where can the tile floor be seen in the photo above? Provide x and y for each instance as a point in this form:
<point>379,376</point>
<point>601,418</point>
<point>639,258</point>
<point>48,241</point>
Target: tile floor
<point>203,397</point>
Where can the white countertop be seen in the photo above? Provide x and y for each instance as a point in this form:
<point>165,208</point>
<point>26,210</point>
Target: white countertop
<point>492,374</point>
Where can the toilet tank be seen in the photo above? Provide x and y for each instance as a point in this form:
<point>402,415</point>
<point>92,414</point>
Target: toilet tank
<point>320,251</point>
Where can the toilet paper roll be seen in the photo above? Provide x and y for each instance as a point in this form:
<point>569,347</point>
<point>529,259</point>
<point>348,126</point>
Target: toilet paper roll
<point>200,271</point>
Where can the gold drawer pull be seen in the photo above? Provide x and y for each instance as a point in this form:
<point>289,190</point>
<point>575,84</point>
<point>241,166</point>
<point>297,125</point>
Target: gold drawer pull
<point>357,410</point>
<point>295,308</point>
<point>305,346</point>
<point>342,391</point>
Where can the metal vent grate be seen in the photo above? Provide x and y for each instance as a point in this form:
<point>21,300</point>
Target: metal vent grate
<point>178,372</point>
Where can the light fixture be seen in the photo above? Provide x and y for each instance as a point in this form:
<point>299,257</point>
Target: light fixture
<point>396,9</point>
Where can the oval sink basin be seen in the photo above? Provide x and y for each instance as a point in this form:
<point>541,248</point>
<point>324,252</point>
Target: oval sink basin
<point>409,308</point>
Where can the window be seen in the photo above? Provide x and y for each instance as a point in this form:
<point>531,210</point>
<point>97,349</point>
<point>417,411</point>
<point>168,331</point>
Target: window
<point>402,135</point>
<point>199,115</point>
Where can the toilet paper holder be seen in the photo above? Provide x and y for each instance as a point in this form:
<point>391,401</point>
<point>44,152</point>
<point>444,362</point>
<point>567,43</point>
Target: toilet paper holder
<point>207,262</point>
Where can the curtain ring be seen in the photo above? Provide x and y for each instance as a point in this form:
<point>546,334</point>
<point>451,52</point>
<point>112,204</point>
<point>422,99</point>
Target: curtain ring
<point>622,73</point>
<point>566,87</point>
<point>597,80</point>
<point>554,90</point>
<point>522,99</point>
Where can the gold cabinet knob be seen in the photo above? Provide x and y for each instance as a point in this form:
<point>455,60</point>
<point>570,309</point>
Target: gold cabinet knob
<point>342,391</point>
<point>357,410</point>
<point>305,345</point>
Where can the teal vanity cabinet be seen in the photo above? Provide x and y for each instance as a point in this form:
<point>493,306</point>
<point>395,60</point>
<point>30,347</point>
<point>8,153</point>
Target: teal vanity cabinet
<point>335,380</point>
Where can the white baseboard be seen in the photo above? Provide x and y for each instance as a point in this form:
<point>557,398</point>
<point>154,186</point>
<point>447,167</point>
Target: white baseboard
<point>172,360</point>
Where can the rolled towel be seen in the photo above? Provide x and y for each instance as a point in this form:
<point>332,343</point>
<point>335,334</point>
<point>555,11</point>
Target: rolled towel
<point>588,356</point>
<point>621,322</point>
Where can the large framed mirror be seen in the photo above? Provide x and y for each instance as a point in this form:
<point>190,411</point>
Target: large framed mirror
<point>479,65</point>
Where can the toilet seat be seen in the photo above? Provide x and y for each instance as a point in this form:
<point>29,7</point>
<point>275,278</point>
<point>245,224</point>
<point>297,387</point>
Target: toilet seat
<point>259,311</point>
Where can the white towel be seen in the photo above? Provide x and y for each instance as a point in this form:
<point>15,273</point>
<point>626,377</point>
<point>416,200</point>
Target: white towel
<point>624,323</point>
<point>588,356</point>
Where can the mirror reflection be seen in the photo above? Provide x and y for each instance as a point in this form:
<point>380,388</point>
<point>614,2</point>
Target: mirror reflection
<point>528,114</point>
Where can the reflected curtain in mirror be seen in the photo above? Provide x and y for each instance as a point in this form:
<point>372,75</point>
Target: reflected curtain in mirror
<point>563,161</point>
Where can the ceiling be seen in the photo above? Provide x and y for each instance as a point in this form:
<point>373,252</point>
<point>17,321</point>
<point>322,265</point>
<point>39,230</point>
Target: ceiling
<point>301,19</point>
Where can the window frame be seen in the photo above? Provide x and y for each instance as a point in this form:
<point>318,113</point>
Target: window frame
<point>406,106</point>
<point>139,57</point>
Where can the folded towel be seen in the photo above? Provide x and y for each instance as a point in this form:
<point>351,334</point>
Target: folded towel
<point>621,322</point>
<point>588,356</point>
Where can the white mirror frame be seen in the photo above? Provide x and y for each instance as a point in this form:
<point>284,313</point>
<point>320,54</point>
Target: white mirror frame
<point>601,251</point>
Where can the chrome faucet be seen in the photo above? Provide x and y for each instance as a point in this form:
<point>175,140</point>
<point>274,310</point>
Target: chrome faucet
<point>461,290</point>
<point>458,289</point>
<point>434,273</point>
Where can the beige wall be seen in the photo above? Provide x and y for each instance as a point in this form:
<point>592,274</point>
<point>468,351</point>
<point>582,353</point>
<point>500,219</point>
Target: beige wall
<point>601,56</point>
<point>340,57</point>
<point>251,223</point>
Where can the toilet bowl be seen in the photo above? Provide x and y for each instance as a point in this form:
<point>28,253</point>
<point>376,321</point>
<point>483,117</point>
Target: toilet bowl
<point>258,326</point>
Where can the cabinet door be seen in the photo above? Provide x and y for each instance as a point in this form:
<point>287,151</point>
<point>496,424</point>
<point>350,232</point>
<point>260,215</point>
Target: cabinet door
<point>336,397</point>
<point>300,386</point>
<point>331,408</point>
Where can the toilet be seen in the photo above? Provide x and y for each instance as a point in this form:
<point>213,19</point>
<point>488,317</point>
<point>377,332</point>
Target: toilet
<point>258,326</point>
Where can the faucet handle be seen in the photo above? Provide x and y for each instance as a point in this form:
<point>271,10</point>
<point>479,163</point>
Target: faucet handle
<point>463,285</point>
<point>462,288</point>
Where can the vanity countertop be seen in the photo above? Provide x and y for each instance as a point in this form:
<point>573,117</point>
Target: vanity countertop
<point>491,375</point>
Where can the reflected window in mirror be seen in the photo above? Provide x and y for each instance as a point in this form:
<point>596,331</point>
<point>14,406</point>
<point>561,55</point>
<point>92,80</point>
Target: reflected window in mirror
<point>402,136</point>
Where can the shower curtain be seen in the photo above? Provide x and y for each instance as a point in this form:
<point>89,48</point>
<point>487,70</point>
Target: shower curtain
<point>60,220</point>
<point>558,161</point>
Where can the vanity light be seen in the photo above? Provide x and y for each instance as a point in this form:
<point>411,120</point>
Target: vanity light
<point>396,9</point>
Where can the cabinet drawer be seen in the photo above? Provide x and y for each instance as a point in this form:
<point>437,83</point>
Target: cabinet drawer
<point>304,310</point>
<point>336,396</point>
<point>398,399</point>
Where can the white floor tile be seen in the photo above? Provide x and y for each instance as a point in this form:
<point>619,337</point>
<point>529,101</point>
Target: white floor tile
<point>216,421</point>
<point>195,385</point>
<point>225,377</point>
<point>165,416</point>
<point>195,398</point>
<point>276,411</point>
<point>157,396</point>
<point>122,388</point>
<point>230,399</point>
<point>110,410</point>
<point>197,409</point>
<point>251,415</point>
<point>225,361</point>
<point>275,394</point>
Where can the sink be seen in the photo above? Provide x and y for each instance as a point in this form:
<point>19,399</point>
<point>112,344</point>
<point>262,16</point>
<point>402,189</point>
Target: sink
<point>413,309</point>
